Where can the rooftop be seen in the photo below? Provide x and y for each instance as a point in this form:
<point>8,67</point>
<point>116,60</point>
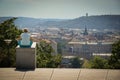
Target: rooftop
<point>90,43</point>
<point>59,74</point>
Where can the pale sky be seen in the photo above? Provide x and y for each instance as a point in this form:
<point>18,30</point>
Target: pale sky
<point>62,9</point>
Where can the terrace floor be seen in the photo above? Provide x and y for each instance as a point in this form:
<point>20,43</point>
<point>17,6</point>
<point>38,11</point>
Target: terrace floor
<point>59,74</point>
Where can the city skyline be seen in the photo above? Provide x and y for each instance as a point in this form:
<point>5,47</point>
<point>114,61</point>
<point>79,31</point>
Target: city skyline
<point>60,9</point>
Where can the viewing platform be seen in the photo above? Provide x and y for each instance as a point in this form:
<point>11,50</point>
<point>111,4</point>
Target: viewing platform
<point>59,74</point>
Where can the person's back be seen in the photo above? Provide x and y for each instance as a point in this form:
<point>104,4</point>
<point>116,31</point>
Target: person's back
<point>25,39</point>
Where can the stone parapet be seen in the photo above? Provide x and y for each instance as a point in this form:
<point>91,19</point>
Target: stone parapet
<point>26,57</point>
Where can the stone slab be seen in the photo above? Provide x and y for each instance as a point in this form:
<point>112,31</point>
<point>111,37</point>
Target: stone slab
<point>25,58</point>
<point>113,75</point>
<point>65,74</point>
<point>38,74</point>
<point>11,74</point>
<point>93,74</point>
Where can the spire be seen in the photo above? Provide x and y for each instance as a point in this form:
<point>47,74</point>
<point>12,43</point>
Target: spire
<point>86,14</point>
<point>85,32</point>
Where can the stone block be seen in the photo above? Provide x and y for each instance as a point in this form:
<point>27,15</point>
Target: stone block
<point>26,57</point>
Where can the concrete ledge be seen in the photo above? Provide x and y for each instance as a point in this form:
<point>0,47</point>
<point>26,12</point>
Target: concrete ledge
<point>93,74</point>
<point>26,57</point>
<point>59,74</point>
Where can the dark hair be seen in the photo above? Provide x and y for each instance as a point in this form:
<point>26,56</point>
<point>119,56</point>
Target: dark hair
<point>25,30</point>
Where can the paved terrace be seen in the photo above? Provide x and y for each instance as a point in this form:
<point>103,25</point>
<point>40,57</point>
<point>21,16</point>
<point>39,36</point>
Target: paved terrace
<point>59,74</point>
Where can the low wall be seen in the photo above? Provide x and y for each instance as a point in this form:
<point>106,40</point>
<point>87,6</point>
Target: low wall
<point>59,74</point>
<point>26,57</point>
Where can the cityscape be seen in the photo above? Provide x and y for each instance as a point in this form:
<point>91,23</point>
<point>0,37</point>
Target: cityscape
<point>59,39</point>
<point>84,43</point>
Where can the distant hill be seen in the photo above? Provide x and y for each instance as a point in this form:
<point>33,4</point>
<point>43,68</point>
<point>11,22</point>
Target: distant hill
<point>4,18</point>
<point>95,22</point>
<point>91,22</point>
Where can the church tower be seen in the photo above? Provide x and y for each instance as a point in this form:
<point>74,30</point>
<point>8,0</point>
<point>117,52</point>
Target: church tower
<point>85,32</point>
<point>86,14</point>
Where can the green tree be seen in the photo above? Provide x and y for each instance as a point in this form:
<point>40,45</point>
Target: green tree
<point>76,62</point>
<point>99,63</point>
<point>44,56</point>
<point>114,60</point>
<point>86,64</point>
<point>59,48</point>
<point>8,30</point>
<point>61,45</point>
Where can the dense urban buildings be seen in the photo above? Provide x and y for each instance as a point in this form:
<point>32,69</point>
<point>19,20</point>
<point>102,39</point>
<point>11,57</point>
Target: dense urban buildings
<point>84,43</point>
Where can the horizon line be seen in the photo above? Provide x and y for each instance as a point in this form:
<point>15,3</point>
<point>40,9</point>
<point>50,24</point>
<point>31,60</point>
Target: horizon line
<point>62,18</point>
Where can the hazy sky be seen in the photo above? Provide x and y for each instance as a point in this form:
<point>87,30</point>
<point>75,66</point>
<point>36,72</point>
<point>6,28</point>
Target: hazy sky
<point>58,8</point>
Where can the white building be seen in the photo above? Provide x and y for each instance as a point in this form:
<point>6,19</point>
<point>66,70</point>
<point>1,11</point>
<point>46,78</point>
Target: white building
<point>86,49</point>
